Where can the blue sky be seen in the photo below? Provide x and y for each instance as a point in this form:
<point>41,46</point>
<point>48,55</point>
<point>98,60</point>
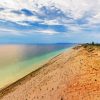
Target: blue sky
<point>49,21</point>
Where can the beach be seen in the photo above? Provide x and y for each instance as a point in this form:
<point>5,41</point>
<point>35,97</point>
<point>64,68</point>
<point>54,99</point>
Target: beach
<point>72,75</point>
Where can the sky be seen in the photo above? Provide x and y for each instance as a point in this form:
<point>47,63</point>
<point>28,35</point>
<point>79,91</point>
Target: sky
<point>49,21</point>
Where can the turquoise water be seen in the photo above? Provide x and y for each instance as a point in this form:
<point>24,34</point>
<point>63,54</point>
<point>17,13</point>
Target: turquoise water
<point>16,61</point>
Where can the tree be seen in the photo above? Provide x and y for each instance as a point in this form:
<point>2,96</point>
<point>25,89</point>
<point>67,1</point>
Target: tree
<point>92,43</point>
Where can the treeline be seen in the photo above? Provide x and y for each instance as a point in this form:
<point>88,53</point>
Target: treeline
<point>92,43</point>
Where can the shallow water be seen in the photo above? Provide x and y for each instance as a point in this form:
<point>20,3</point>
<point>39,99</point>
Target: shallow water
<point>16,61</point>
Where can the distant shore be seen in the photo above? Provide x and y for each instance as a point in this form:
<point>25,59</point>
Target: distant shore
<point>72,75</point>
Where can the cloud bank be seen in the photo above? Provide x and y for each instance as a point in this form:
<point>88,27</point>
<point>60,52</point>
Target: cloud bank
<point>50,17</point>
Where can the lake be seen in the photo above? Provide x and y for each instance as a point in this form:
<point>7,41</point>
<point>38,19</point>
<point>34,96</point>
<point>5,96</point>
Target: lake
<point>16,60</point>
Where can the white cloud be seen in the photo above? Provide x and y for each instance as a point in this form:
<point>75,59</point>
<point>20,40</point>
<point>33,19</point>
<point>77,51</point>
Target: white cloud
<point>42,31</point>
<point>76,9</point>
<point>49,32</point>
<point>5,31</point>
<point>8,15</point>
<point>51,22</point>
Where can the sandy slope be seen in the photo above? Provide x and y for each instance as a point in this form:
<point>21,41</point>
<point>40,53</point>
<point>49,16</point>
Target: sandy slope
<point>73,75</point>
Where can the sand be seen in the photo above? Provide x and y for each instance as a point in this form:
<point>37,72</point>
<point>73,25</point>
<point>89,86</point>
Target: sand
<point>72,75</point>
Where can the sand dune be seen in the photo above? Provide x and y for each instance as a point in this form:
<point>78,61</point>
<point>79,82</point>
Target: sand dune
<point>72,75</point>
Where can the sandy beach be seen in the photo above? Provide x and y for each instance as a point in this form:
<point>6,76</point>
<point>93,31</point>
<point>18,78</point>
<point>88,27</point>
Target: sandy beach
<point>72,75</point>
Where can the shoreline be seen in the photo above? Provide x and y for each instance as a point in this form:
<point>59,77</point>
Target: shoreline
<point>72,75</point>
<point>37,63</point>
<point>6,89</point>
